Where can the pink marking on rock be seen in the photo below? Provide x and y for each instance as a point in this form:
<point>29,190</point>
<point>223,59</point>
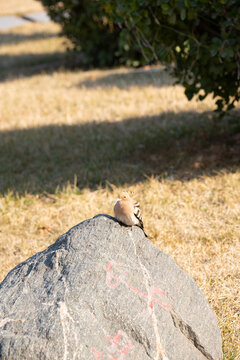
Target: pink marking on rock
<point>137,291</point>
<point>122,347</point>
<point>111,280</point>
<point>151,300</point>
<point>97,354</point>
<point>156,290</point>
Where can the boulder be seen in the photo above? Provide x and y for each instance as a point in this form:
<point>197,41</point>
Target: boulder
<point>104,291</point>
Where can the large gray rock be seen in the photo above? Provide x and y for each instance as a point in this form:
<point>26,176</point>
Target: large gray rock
<point>104,291</point>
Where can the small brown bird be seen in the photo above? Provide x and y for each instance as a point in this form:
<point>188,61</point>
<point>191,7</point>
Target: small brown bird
<point>127,211</point>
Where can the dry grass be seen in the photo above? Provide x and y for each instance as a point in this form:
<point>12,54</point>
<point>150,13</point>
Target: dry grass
<point>20,7</point>
<point>71,140</point>
<point>31,49</point>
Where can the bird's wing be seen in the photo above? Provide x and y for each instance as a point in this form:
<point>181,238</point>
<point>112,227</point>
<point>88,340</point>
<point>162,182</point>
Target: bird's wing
<point>137,213</point>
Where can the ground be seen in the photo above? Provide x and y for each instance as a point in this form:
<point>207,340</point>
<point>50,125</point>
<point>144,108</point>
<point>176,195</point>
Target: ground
<point>71,140</point>
<point>18,7</point>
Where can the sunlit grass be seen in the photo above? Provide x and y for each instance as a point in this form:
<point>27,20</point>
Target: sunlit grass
<point>20,7</point>
<point>70,141</point>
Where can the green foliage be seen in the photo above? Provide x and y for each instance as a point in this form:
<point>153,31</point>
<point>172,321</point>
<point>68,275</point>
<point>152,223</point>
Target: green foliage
<point>198,40</point>
<point>86,24</point>
<point>201,38</point>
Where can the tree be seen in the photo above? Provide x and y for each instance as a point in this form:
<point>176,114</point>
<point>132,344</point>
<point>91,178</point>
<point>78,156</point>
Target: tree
<point>201,38</point>
<point>198,40</point>
<point>91,31</point>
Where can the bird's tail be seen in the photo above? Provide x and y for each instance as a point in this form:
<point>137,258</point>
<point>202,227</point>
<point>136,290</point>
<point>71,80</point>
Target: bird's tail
<point>141,226</point>
<point>137,213</point>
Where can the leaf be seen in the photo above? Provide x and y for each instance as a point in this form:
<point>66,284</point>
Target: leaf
<point>192,14</point>
<point>213,51</point>
<point>172,19</point>
<point>183,14</point>
<point>165,8</point>
<point>227,53</point>
<point>216,41</point>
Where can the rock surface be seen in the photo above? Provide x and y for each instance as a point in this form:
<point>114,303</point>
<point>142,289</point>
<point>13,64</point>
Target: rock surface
<point>103,291</point>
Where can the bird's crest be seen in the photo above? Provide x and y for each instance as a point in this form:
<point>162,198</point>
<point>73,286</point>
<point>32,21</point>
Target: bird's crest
<point>125,195</point>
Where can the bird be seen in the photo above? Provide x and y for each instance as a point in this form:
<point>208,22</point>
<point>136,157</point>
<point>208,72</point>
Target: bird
<point>127,211</point>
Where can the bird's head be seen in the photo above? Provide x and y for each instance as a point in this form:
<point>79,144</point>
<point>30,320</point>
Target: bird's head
<point>125,195</point>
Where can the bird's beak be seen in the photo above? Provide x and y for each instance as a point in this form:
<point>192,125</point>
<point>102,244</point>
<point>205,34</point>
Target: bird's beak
<point>114,201</point>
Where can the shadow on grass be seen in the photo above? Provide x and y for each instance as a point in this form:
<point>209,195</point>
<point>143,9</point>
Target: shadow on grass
<point>25,65</point>
<point>16,38</point>
<point>183,146</point>
<point>123,80</point>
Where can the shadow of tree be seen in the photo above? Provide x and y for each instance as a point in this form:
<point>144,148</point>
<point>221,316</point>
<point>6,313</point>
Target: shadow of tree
<point>184,146</point>
<point>16,38</point>
<point>24,65</point>
<point>123,80</point>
